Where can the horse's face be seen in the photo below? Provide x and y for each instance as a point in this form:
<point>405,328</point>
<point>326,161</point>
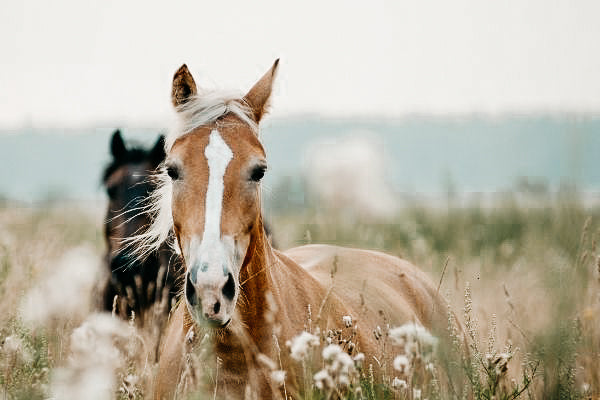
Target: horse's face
<point>215,203</point>
<point>127,185</point>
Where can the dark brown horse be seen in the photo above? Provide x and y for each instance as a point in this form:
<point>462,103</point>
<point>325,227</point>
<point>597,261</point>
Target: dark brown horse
<point>135,285</point>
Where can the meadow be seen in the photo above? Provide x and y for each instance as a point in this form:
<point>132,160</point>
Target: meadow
<point>521,277</point>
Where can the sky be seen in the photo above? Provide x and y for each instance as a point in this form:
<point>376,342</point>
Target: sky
<point>86,63</point>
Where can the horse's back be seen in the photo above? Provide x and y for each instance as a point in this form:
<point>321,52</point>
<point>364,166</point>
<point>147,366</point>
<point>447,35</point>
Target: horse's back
<point>374,282</point>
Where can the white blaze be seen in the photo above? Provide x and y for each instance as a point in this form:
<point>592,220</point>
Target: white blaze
<point>211,256</point>
<point>218,155</point>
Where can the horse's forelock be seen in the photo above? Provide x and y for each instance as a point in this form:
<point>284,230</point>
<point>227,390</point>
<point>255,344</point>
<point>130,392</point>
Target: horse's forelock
<point>206,108</point>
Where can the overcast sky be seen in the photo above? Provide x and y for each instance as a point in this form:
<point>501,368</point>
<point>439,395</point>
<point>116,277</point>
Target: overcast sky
<point>75,62</point>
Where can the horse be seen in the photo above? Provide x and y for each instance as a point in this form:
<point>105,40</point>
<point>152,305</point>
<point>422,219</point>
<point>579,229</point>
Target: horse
<point>240,294</point>
<point>134,286</point>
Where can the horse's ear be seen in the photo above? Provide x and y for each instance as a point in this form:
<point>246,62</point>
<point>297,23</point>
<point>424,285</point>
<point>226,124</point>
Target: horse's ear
<point>258,97</point>
<point>117,146</point>
<point>184,86</point>
<point>157,154</point>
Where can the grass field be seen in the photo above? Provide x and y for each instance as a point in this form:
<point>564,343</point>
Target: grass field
<point>523,281</point>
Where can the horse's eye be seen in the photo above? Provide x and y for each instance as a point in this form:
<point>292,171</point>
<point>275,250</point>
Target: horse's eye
<point>112,191</point>
<point>258,173</point>
<point>173,172</point>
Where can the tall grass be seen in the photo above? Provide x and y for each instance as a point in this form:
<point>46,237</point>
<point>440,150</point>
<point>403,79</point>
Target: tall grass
<point>523,282</point>
<point>530,273</point>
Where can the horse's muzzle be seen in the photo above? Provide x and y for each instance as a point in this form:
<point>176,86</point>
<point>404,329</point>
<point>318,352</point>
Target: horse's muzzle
<point>210,304</point>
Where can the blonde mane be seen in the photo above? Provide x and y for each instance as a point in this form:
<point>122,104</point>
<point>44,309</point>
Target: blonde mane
<point>204,109</point>
<point>207,108</point>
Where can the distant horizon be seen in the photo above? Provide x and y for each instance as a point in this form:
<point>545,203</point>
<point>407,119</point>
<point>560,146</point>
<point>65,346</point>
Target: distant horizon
<point>330,117</point>
<point>419,153</point>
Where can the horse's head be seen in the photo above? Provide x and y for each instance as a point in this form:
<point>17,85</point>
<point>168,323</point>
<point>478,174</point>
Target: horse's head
<point>215,164</point>
<point>127,184</point>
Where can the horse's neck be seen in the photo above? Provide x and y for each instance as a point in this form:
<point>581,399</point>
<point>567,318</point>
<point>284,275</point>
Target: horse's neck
<point>255,279</point>
<point>239,347</point>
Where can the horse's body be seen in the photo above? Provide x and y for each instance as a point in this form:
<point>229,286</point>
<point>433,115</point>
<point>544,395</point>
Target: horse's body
<point>371,282</point>
<point>366,282</point>
<point>137,284</point>
<point>239,290</point>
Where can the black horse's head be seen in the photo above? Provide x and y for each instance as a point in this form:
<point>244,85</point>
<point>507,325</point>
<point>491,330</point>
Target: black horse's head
<point>128,183</point>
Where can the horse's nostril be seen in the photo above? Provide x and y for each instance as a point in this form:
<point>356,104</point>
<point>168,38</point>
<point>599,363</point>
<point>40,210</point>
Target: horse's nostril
<point>229,288</point>
<point>217,307</point>
<point>190,292</point>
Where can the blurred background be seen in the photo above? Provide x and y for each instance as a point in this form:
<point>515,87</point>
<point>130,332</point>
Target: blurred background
<point>404,98</point>
<point>461,135</point>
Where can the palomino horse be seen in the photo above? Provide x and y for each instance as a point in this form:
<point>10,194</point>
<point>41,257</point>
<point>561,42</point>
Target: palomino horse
<point>138,284</point>
<point>237,287</point>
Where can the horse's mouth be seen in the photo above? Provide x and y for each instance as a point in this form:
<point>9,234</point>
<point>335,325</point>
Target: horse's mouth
<point>217,324</point>
<point>210,322</point>
<point>226,324</point>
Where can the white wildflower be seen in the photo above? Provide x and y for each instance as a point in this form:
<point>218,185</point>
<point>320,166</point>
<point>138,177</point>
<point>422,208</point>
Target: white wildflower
<point>131,379</point>
<point>339,362</point>
<point>585,388</point>
<point>347,321</point>
<point>411,348</point>
<point>499,362</point>
<point>402,364</point>
<point>96,338</point>
<point>414,338</point>
<point>93,384</point>
<point>278,377</point>
<point>331,351</point>
<point>345,362</point>
<point>300,345</point>
<point>399,383</point>
<point>339,369</point>
<point>73,277</point>
<point>399,335</point>
<point>416,394</point>
<point>128,387</point>
<point>98,350</point>
<point>358,359</point>
<point>12,344</point>
<point>14,348</point>
<point>323,380</point>
<point>343,381</point>
<point>411,330</point>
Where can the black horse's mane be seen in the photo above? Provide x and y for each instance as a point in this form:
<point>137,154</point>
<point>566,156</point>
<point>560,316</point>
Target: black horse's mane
<point>135,154</point>
<point>131,153</point>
